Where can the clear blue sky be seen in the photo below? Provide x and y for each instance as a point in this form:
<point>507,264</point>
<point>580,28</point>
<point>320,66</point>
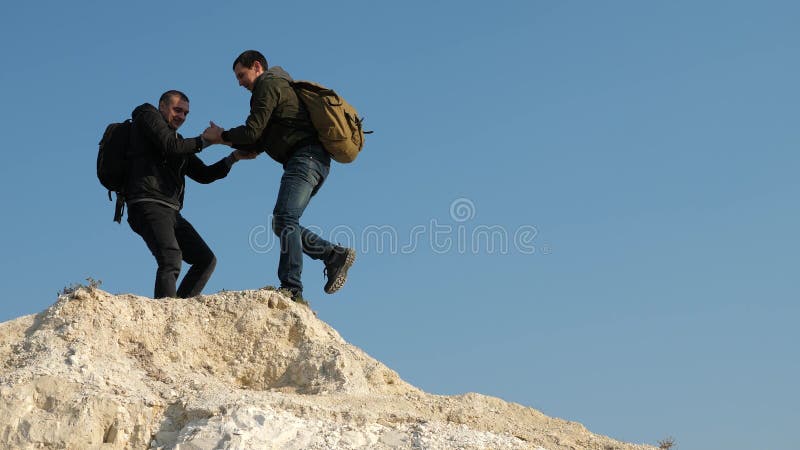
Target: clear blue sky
<point>651,145</point>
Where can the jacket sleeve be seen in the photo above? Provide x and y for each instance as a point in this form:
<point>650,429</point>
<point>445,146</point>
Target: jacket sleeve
<point>198,171</point>
<point>165,138</point>
<point>265,98</point>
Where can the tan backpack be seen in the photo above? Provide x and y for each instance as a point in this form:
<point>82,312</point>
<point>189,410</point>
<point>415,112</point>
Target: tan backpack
<point>336,121</point>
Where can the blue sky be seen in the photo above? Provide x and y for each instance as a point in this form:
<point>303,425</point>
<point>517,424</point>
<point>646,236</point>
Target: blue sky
<point>651,145</point>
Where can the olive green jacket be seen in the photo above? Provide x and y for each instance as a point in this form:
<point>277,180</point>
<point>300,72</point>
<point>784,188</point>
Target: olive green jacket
<point>278,123</point>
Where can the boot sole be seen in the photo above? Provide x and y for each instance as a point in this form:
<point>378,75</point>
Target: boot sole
<point>342,277</point>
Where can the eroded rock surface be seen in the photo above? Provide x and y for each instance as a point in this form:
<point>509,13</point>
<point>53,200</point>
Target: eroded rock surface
<point>235,370</point>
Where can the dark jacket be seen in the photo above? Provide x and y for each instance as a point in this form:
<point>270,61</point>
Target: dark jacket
<point>278,122</point>
<point>159,159</point>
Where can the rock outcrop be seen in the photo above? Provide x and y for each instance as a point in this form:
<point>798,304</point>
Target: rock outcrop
<point>234,370</point>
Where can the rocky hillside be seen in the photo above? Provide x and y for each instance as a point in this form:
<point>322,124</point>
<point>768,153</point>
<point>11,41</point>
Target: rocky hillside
<point>235,370</point>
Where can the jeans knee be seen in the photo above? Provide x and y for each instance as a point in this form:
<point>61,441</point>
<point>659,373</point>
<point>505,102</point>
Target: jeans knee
<point>283,223</point>
<point>211,263</point>
<point>169,261</point>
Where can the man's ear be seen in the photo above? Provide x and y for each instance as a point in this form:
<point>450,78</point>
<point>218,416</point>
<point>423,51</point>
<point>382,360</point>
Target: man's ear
<point>260,68</point>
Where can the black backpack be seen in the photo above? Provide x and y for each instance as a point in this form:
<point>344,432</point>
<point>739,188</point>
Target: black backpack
<point>112,164</point>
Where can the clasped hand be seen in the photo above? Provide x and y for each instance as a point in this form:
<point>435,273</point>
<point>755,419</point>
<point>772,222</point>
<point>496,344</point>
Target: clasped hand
<point>213,134</point>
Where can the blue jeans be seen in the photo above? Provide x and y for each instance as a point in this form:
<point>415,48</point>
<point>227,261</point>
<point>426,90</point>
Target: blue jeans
<point>303,175</point>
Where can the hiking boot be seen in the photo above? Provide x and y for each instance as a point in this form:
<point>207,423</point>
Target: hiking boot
<point>336,268</point>
<point>294,294</point>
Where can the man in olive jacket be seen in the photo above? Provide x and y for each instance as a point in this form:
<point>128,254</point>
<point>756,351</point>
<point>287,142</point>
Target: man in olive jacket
<point>280,125</point>
<point>159,159</point>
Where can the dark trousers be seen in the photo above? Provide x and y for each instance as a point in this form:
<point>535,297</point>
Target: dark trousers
<point>303,175</point>
<point>172,239</point>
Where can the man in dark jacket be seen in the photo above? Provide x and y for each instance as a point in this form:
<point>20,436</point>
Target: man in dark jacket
<point>280,125</point>
<point>159,159</point>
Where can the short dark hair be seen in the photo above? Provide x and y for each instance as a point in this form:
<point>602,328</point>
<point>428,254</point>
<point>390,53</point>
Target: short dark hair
<point>167,96</point>
<point>248,58</point>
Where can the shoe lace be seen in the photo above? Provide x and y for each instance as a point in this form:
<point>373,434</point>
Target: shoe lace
<point>325,270</point>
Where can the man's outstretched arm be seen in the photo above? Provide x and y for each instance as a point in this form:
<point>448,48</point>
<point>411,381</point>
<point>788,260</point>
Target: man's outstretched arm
<point>198,171</point>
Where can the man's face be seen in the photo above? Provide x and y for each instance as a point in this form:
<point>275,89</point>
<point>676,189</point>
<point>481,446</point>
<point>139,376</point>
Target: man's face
<point>247,77</point>
<point>174,111</point>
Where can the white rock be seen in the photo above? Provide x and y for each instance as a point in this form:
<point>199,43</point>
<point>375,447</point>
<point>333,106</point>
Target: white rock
<point>265,374</point>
